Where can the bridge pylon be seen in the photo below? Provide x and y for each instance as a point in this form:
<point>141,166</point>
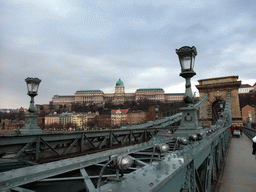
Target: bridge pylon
<point>189,127</point>
<point>217,89</point>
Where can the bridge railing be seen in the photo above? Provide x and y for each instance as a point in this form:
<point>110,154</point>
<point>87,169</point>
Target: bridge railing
<point>191,168</point>
<point>60,144</point>
<point>249,132</point>
<point>199,103</point>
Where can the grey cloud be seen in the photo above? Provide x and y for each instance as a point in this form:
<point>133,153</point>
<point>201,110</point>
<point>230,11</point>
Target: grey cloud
<point>98,43</point>
<point>148,12</point>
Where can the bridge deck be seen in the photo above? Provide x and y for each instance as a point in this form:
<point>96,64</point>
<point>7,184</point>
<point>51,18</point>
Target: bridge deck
<point>240,167</point>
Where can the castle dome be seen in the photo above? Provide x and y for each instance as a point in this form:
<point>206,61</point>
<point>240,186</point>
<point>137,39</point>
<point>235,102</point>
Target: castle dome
<point>119,82</point>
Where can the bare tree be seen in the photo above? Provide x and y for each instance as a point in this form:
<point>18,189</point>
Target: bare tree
<point>151,113</point>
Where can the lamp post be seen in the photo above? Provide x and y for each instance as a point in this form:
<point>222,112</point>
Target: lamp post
<point>31,125</point>
<point>221,108</point>
<point>187,60</point>
<point>157,111</point>
<point>189,127</point>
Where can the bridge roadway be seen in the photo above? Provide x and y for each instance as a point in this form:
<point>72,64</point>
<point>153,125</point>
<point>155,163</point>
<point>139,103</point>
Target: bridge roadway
<point>239,172</point>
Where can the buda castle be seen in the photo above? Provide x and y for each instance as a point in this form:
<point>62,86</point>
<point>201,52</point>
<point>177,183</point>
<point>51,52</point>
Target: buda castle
<point>118,97</point>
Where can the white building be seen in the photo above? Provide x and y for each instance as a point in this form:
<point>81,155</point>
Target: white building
<point>245,88</point>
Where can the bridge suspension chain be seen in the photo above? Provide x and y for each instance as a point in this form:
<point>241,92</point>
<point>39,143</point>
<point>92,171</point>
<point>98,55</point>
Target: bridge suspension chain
<point>199,103</point>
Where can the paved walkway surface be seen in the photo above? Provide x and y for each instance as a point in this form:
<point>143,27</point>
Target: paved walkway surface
<point>240,167</point>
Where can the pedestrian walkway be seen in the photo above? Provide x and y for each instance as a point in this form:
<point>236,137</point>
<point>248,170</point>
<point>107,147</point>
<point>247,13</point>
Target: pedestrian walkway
<point>239,174</point>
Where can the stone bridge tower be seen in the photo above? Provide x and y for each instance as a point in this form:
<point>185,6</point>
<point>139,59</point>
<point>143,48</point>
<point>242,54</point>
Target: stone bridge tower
<point>217,89</point>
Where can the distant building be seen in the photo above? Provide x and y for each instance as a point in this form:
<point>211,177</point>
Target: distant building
<point>119,117</point>
<point>7,124</point>
<point>170,97</point>
<point>246,111</point>
<point>91,116</point>
<point>51,119</point>
<point>65,118</point>
<point>62,102</point>
<point>80,119</point>
<point>136,117</point>
<point>246,88</point>
<point>252,116</point>
<point>22,110</point>
<point>88,96</point>
<point>153,94</point>
<point>64,99</point>
<point>118,97</point>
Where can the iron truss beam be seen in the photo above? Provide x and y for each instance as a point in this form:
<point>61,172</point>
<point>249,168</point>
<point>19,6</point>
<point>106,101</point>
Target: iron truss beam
<point>178,170</point>
<point>188,168</point>
<point>37,147</point>
<point>22,176</point>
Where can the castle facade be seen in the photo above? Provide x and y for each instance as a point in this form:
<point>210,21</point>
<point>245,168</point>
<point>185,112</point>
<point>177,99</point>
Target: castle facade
<point>119,96</point>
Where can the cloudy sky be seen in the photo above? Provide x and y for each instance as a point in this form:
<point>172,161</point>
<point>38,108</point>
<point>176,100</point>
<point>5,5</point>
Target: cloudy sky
<point>79,44</point>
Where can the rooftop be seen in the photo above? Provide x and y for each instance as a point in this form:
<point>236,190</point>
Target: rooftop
<point>66,114</point>
<point>150,89</point>
<point>52,115</point>
<point>174,93</point>
<point>120,82</point>
<point>245,86</point>
<point>63,96</point>
<point>85,91</point>
<point>124,111</point>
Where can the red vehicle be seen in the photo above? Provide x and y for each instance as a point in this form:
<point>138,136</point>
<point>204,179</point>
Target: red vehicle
<point>232,128</point>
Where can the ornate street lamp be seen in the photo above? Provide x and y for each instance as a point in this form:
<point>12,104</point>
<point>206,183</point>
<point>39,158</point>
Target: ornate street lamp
<point>157,111</point>
<point>32,84</point>
<point>31,125</point>
<point>189,127</point>
<point>187,60</point>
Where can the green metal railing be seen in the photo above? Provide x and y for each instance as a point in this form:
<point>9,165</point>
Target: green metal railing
<point>249,132</point>
<point>191,167</point>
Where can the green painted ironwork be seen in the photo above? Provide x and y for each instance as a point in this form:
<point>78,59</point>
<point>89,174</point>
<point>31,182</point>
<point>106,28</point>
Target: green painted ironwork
<point>190,166</point>
<point>31,125</point>
<point>63,143</point>
<point>249,132</point>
